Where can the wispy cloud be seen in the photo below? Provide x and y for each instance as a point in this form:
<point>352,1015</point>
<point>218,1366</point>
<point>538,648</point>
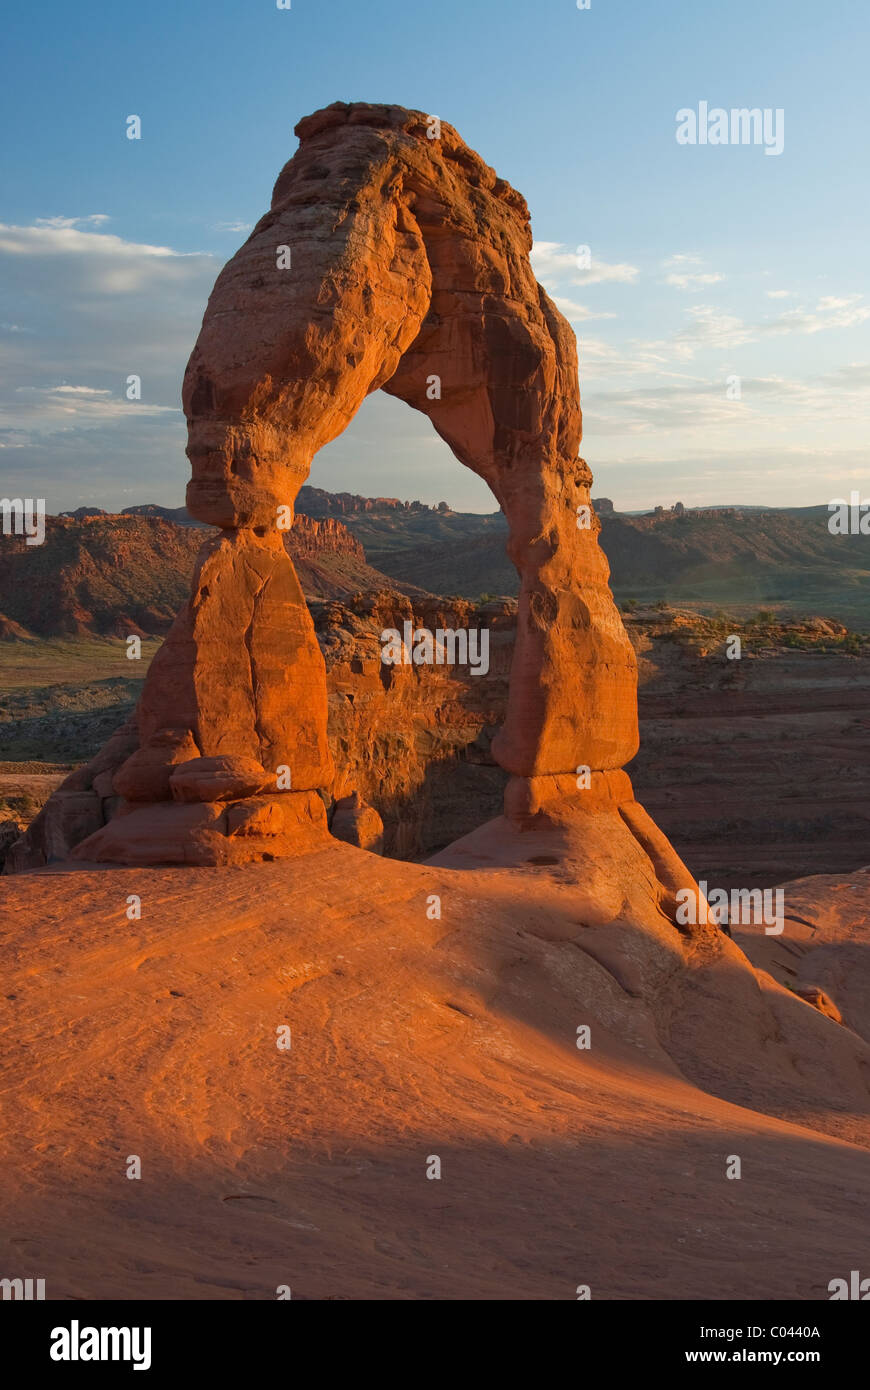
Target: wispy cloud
<point>712,328</point>
<point>579,313</point>
<point>89,309</point>
<point>553,262</point>
<point>93,219</point>
<point>693,281</point>
<point>46,409</point>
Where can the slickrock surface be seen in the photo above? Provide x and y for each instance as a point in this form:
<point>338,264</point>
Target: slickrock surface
<point>415,1036</point>
<point>823,953</point>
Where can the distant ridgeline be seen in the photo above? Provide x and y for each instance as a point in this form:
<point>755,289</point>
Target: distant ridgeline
<point>317,502</point>
<point>103,572</point>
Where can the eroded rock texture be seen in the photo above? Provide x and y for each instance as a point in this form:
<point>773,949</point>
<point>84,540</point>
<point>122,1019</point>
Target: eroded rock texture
<point>409,262</point>
<point>389,259</point>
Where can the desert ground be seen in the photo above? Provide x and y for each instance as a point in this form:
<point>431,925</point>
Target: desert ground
<point>417,1037</point>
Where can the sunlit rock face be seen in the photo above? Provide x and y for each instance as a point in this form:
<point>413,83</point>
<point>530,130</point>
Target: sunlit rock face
<point>392,257</point>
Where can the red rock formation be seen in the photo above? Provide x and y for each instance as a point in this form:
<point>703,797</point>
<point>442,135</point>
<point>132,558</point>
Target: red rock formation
<point>388,259</point>
<point>415,741</point>
<point>311,537</point>
<point>409,260</point>
<point>316,502</point>
<point>358,824</point>
<point>112,575</point>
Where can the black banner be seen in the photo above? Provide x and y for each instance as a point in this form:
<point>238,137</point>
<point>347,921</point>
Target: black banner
<point>232,1338</point>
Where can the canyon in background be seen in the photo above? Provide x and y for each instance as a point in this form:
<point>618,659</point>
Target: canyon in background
<point>758,769</point>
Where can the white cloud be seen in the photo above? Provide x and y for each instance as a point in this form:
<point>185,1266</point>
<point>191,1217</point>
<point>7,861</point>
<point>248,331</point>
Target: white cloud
<point>707,328</point>
<point>96,262</point>
<point>91,309</point>
<point>691,281</point>
<point>702,404</point>
<point>833,303</point>
<point>578,313</point>
<point>780,294</point>
<point>553,263</point>
<point>714,329</point>
<point>830,312</point>
<point>94,219</point>
<point>43,410</point>
<point>71,390</point>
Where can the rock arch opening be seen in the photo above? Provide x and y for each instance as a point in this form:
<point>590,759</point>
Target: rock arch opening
<point>417,640</point>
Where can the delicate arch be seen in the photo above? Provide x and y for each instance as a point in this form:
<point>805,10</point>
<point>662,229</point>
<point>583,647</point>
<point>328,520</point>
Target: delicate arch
<point>388,259</point>
<point>408,260</point>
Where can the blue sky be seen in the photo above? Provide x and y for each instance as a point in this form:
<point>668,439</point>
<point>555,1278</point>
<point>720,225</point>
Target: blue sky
<point>708,262</point>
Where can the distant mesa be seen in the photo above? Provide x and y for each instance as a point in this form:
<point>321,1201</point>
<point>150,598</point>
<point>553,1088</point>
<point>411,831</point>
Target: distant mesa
<point>180,515</point>
<point>314,501</point>
<point>83,513</point>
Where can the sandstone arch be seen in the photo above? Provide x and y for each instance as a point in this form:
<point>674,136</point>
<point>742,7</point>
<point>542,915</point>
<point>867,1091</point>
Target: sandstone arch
<point>409,258</point>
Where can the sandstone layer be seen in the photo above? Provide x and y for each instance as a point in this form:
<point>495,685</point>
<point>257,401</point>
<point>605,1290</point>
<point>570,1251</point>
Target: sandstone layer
<point>416,1034</point>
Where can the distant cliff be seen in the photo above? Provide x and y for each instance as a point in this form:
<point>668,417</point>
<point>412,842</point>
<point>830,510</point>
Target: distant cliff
<point>129,574</point>
<point>316,502</point>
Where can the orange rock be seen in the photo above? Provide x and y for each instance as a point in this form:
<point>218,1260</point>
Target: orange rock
<point>357,823</point>
<point>241,666</point>
<point>391,260</point>
<point>811,994</point>
<point>218,779</point>
<point>208,833</point>
<point>164,833</point>
<point>257,816</point>
<point>411,272</point>
<point>146,773</point>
